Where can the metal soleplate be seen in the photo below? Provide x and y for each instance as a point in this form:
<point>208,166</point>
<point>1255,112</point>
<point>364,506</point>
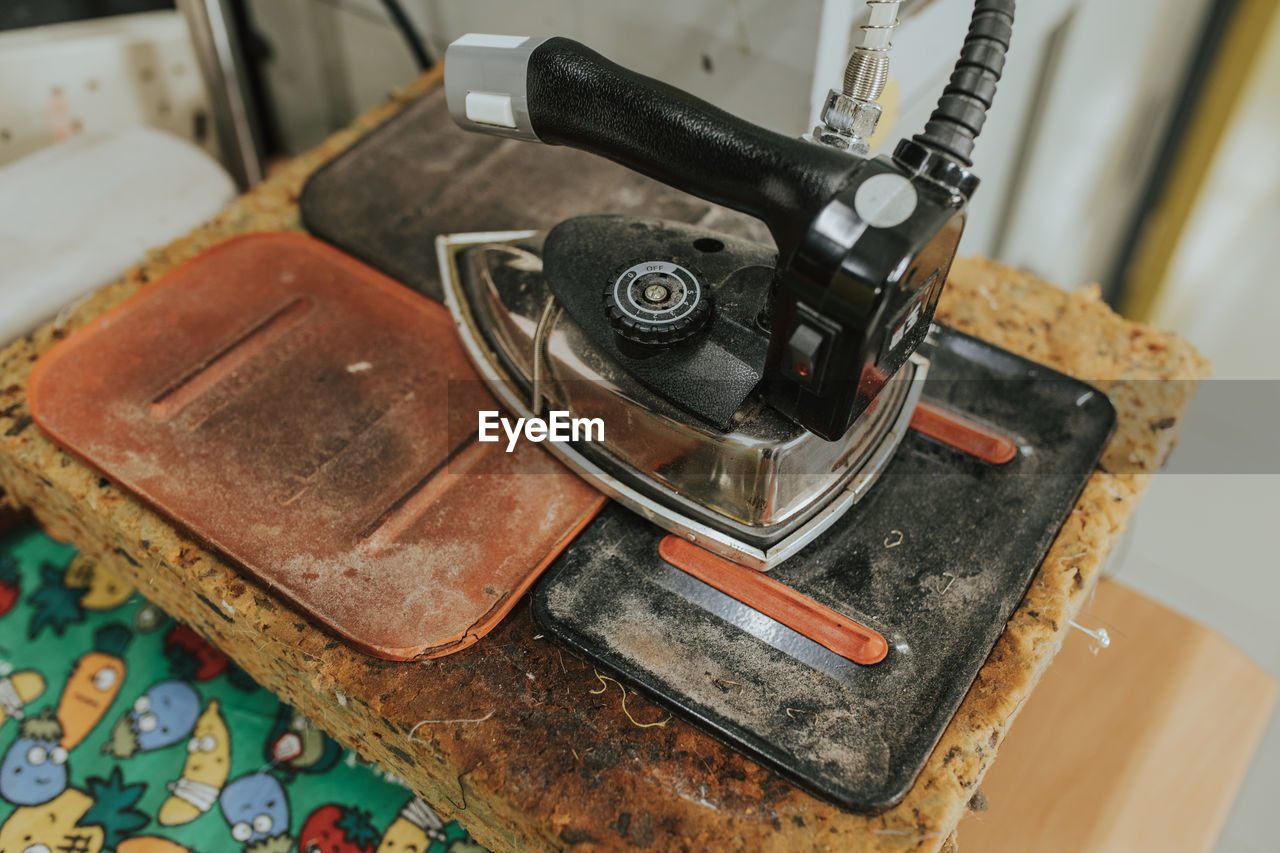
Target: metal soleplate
<point>313,420</point>
<point>936,558</point>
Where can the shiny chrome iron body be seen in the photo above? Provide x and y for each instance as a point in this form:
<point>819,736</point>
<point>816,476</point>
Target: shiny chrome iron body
<point>755,494</point>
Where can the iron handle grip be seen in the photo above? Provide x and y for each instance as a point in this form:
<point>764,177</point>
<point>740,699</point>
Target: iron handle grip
<point>573,96</point>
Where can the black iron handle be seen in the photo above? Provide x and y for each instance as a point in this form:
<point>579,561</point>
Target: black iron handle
<point>570,95</point>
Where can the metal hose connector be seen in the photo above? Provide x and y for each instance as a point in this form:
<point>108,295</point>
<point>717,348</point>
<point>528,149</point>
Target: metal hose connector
<point>868,68</point>
<point>865,75</point>
<point>849,117</point>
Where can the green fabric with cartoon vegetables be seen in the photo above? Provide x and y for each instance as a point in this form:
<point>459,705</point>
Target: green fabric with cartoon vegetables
<point>126,731</point>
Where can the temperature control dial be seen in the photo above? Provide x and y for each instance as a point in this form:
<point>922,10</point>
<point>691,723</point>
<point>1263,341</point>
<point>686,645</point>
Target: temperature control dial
<point>656,303</point>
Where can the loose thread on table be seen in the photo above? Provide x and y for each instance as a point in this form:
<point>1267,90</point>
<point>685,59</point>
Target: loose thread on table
<point>421,723</point>
<point>604,685</point>
<point>462,790</point>
<point>724,684</point>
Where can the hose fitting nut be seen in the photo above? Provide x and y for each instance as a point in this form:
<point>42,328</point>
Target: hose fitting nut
<point>847,123</point>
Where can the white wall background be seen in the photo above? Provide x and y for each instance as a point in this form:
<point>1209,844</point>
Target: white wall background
<point>1061,157</point>
<point>100,75</point>
<point>1205,544</point>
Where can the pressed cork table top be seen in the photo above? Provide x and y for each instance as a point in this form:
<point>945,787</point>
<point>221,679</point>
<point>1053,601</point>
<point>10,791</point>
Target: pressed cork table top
<point>526,744</point>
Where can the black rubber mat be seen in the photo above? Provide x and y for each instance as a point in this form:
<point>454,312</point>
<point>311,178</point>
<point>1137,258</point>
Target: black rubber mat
<point>387,198</point>
<point>936,558</point>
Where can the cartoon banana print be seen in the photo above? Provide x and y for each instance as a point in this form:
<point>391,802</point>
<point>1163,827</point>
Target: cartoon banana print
<point>17,690</point>
<point>204,772</point>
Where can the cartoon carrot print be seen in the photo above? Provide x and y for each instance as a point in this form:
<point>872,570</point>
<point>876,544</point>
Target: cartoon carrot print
<point>94,683</point>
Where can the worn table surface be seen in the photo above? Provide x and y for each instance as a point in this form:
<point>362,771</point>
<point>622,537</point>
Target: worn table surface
<point>521,740</point>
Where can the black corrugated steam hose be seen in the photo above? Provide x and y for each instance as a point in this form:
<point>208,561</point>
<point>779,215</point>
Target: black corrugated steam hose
<point>962,109</point>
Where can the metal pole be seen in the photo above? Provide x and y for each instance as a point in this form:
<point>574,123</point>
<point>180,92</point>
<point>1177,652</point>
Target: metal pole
<point>222,66</point>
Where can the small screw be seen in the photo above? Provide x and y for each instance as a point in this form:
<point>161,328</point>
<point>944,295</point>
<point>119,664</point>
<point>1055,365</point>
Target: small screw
<point>656,293</point>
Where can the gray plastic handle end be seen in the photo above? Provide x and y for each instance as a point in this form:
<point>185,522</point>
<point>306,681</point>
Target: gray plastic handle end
<point>485,83</point>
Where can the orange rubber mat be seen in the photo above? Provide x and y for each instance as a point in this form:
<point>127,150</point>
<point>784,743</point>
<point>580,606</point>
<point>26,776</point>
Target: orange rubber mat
<point>314,421</point>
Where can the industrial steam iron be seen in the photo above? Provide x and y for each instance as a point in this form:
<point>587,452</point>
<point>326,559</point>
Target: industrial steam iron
<point>789,409</point>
